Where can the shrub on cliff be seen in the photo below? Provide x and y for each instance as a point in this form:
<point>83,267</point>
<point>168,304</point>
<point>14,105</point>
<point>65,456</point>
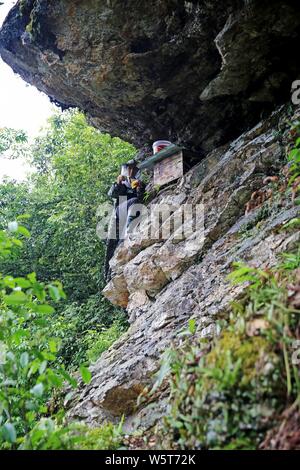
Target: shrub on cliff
<point>230,396</point>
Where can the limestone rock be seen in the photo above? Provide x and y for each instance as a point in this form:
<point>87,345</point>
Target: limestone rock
<point>116,291</point>
<point>186,287</point>
<point>198,73</point>
<point>146,265</point>
<point>142,273</point>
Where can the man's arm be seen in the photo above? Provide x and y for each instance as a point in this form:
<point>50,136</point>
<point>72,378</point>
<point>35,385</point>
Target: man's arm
<point>117,189</point>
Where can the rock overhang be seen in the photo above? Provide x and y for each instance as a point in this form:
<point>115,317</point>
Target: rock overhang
<point>197,73</point>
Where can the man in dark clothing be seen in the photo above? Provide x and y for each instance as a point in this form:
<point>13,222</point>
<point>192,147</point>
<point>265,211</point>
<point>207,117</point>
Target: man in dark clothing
<point>127,190</point>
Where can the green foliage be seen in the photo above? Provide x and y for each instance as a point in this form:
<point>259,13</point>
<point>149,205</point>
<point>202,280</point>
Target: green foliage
<point>48,435</point>
<point>244,273</point>
<point>75,165</point>
<point>290,261</point>
<point>108,437</point>
<point>78,322</point>
<point>225,396</point>
<point>98,342</point>
<point>44,332</point>
<point>28,372</point>
<point>215,404</point>
<point>12,141</point>
<point>294,160</point>
<point>292,224</point>
<point>85,374</point>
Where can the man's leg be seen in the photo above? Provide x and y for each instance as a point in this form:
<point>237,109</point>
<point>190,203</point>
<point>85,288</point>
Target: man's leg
<point>132,215</point>
<point>122,214</point>
<point>111,244</point>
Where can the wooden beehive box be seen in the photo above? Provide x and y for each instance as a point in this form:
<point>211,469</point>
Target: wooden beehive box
<point>167,164</point>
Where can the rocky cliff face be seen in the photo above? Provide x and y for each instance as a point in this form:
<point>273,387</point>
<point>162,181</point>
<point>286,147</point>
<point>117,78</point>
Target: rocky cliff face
<point>165,283</point>
<point>199,73</point>
<point>196,72</point>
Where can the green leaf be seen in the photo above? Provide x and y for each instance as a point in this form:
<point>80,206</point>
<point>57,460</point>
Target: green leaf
<point>39,291</point>
<point>32,277</point>
<point>292,223</point>
<point>164,370</point>
<point>31,416</point>
<point>9,281</point>
<point>53,345</point>
<point>47,309</point>
<point>23,231</point>
<point>16,298</point>
<point>24,359</point>
<point>9,432</point>
<point>294,155</point>
<point>19,334</point>
<point>43,367</point>
<point>49,356</point>
<point>192,326</point>
<point>55,379</point>
<point>23,217</point>
<point>54,293</point>
<point>68,378</point>
<point>37,390</point>
<point>17,242</point>
<point>22,282</point>
<point>85,374</point>
<point>33,369</point>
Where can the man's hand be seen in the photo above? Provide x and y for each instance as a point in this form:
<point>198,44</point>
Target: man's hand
<point>120,179</point>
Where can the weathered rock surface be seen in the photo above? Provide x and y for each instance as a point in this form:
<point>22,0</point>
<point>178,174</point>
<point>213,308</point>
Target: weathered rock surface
<point>199,73</point>
<point>196,72</point>
<point>170,282</point>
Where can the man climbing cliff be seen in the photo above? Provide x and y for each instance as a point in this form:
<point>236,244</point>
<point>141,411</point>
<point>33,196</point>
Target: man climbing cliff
<point>127,191</point>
